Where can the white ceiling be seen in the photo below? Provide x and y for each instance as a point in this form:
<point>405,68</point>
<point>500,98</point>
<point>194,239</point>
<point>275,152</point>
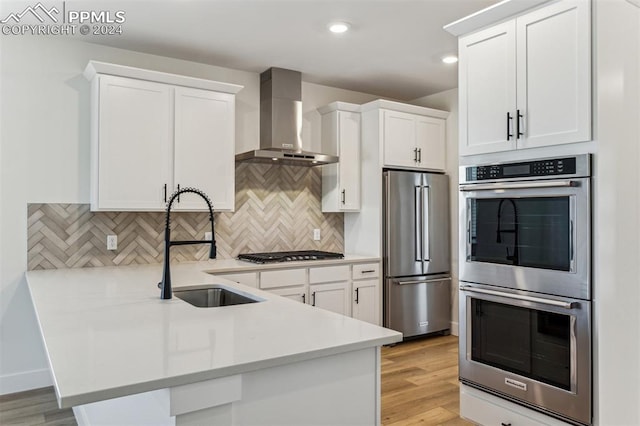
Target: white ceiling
<point>393,50</point>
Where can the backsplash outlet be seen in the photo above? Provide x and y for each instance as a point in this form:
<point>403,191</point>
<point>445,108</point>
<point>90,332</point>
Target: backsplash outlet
<point>277,208</point>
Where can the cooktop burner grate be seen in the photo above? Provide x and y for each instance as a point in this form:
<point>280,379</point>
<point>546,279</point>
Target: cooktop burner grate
<point>289,256</point>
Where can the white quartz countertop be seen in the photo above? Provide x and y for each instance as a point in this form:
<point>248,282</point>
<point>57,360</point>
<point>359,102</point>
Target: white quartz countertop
<point>220,266</point>
<point>108,334</point>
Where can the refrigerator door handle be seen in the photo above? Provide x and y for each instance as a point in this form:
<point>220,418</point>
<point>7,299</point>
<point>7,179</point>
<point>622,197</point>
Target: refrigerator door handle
<point>434,280</point>
<point>425,224</point>
<point>418,240</point>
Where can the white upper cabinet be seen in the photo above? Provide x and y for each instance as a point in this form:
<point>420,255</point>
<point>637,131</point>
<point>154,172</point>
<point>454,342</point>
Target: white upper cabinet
<point>132,163</point>
<point>413,141</point>
<point>151,134</point>
<point>406,136</point>
<point>487,90</point>
<point>527,82</point>
<point>341,137</point>
<point>204,147</point>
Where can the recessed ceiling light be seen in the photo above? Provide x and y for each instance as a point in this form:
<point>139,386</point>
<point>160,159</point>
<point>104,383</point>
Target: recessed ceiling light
<point>450,59</point>
<point>338,27</point>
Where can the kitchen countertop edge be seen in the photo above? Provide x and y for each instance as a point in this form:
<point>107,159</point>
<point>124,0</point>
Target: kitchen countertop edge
<point>41,293</point>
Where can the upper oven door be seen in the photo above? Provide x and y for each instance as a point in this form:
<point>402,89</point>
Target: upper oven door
<point>528,235</point>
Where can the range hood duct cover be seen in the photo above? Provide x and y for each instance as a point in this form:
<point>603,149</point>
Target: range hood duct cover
<point>281,122</point>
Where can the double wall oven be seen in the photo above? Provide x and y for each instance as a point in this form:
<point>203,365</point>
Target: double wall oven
<point>525,283</point>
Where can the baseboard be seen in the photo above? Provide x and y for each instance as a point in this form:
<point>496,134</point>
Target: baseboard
<point>454,328</point>
<point>28,380</point>
<point>81,416</point>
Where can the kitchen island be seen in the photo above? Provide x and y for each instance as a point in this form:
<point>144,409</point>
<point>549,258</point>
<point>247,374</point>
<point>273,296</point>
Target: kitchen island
<point>119,354</point>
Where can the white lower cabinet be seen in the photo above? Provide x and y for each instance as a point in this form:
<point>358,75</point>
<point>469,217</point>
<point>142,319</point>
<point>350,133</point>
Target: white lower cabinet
<point>347,289</point>
<point>485,409</point>
<point>365,305</point>
<point>333,297</point>
<point>283,278</point>
<point>298,293</point>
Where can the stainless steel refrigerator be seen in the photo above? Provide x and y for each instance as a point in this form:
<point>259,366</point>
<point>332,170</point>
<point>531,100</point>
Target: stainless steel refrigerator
<point>416,262</point>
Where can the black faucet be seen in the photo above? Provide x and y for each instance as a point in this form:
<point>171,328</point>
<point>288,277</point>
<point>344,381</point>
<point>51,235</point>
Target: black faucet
<point>165,284</point>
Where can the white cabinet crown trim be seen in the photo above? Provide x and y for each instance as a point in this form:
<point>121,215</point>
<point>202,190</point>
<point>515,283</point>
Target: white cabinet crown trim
<point>339,106</point>
<point>95,67</point>
<point>401,107</point>
<point>491,15</point>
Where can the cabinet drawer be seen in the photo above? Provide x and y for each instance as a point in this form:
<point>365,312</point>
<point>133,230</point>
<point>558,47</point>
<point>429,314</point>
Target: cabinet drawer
<point>485,409</point>
<point>283,278</point>
<point>246,278</point>
<point>365,270</point>
<point>327,274</point>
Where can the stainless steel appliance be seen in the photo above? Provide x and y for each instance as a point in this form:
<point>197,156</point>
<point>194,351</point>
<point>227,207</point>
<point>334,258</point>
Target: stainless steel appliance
<point>527,225</point>
<point>416,265</point>
<point>281,122</point>
<point>525,286</point>
<point>289,256</point>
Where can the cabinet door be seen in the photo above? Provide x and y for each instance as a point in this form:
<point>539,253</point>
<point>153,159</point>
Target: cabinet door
<point>132,145</point>
<point>332,297</point>
<point>349,165</point>
<point>365,301</point>
<point>554,74</point>
<point>399,139</point>
<point>204,147</point>
<point>294,293</point>
<point>430,140</point>
<point>341,181</point>
<point>487,90</point>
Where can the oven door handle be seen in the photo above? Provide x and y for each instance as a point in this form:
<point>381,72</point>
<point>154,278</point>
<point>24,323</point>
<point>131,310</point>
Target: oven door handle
<point>517,185</point>
<point>557,303</point>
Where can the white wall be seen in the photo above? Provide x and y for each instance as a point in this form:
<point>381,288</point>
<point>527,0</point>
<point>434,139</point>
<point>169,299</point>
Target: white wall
<point>44,141</point>
<point>617,214</point>
<point>448,101</point>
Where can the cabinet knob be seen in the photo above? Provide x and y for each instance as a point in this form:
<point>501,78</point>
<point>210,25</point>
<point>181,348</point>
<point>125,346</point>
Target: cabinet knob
<point>415,155</point>
<point>313,299</point>
<point>509,119</point>
<point>304,297</point>
<point>357,295</point>
<point>419,155</point>
<point>505,424</point>
<point>344,195</point>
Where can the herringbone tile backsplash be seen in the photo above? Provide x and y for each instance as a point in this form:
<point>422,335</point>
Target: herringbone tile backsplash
<point>277,208</point>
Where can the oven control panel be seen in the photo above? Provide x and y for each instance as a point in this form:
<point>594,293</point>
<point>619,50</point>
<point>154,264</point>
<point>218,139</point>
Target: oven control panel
<point>533,169</point>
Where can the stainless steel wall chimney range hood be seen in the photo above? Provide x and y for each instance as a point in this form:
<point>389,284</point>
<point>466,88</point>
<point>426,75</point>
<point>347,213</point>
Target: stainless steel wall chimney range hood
<point>281,122</point>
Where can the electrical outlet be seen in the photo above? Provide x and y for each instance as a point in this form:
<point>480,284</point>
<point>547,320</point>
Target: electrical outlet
<point>207,235</point>
<point>316,234</point>
<point>112,242</point>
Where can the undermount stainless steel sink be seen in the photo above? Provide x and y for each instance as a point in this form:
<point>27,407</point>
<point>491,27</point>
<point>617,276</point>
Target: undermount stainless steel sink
<point>214,296</point>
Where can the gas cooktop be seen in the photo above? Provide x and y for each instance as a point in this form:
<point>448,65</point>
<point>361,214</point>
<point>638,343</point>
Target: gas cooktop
<point>289,256</point>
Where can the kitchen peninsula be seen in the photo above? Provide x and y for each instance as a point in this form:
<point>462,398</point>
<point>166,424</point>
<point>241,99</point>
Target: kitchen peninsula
<point>119,354</point>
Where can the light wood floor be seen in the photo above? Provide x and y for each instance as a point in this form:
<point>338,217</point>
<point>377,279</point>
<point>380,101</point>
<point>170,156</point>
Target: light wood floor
<point>420,383</point>
<point>419,386</point>
<point>36,407</point>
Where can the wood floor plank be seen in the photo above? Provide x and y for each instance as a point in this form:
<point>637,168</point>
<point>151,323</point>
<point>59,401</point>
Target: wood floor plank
<point>420,383</point>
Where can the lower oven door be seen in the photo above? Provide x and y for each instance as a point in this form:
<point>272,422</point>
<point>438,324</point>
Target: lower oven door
<point>530,348</point>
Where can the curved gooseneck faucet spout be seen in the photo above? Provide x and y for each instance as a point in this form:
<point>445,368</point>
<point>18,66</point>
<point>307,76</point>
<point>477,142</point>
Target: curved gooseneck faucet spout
<point>165,284</point>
